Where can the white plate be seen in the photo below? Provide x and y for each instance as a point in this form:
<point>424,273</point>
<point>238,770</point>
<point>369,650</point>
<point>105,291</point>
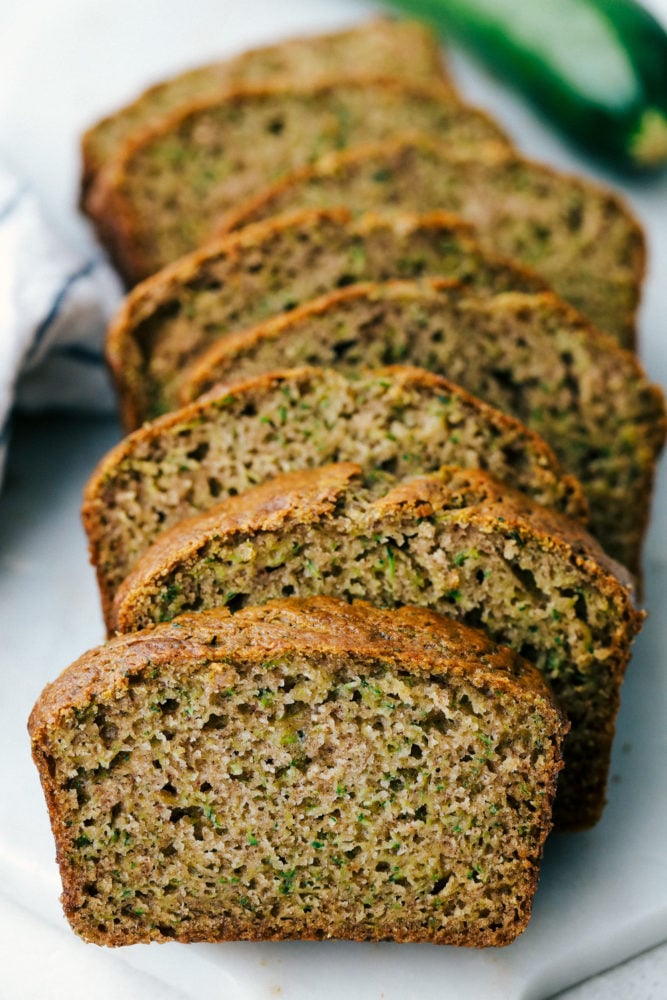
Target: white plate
<point>603,894</point>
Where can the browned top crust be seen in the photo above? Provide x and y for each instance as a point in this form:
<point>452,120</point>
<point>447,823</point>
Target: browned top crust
<point>309,495</point>
<point>417,640</point>
<point>383,40</point>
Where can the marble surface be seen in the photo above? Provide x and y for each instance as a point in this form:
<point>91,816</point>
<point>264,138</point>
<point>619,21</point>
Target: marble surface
<point>603,894</point>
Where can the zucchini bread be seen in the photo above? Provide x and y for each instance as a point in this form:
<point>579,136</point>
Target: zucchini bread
<point>307,769</point>
<point>166,190</point>
<point>396,421</point>
<point>382,46</point>
<point>268,269</point>
<point>580,236</point>
<point>455,541</point>
<point>529,355</point>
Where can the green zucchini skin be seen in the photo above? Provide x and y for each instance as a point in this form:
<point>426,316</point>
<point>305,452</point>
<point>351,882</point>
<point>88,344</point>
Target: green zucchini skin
<point>597,68</point>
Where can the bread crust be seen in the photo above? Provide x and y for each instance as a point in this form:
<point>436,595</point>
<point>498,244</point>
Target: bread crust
<point>414,637</point>
<point>310,495</point>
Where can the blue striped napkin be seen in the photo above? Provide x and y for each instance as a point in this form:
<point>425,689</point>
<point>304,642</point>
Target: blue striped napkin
<point>54,308</point>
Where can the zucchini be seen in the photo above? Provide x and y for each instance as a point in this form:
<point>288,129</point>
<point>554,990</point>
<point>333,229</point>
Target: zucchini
<point>598,68</point>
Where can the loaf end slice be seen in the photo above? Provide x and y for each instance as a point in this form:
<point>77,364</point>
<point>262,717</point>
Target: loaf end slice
<point>455,541</point>
<point>307,769</point>
<point>395,422</point>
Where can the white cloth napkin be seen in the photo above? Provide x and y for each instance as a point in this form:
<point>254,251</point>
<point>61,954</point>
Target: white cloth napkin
<point>54,308</point>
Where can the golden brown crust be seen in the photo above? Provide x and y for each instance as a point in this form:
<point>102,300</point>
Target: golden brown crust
<point>420,640</point>
<point>112,213</point>
<point>310,495</point>
<point>267,201</point>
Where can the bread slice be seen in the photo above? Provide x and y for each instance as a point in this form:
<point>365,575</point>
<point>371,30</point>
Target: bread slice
<point>165,192</point>
<point>383,47</point>
<point>270,268</point>
<point>396,421</point>
<point>455,541</point>
<point>580,236</point>
<point>307,769</point>
<point>529,355</point>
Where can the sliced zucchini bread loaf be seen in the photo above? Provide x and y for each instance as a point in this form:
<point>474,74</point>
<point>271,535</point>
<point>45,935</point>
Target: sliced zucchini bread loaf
<point>529,355</point>
<point>270,268</point>
<point>580,236</point>
<point>307,769</point>
<point>397,421</point>
<point>165,192</point>
<point>382,46</point>
<point>455,541</point>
